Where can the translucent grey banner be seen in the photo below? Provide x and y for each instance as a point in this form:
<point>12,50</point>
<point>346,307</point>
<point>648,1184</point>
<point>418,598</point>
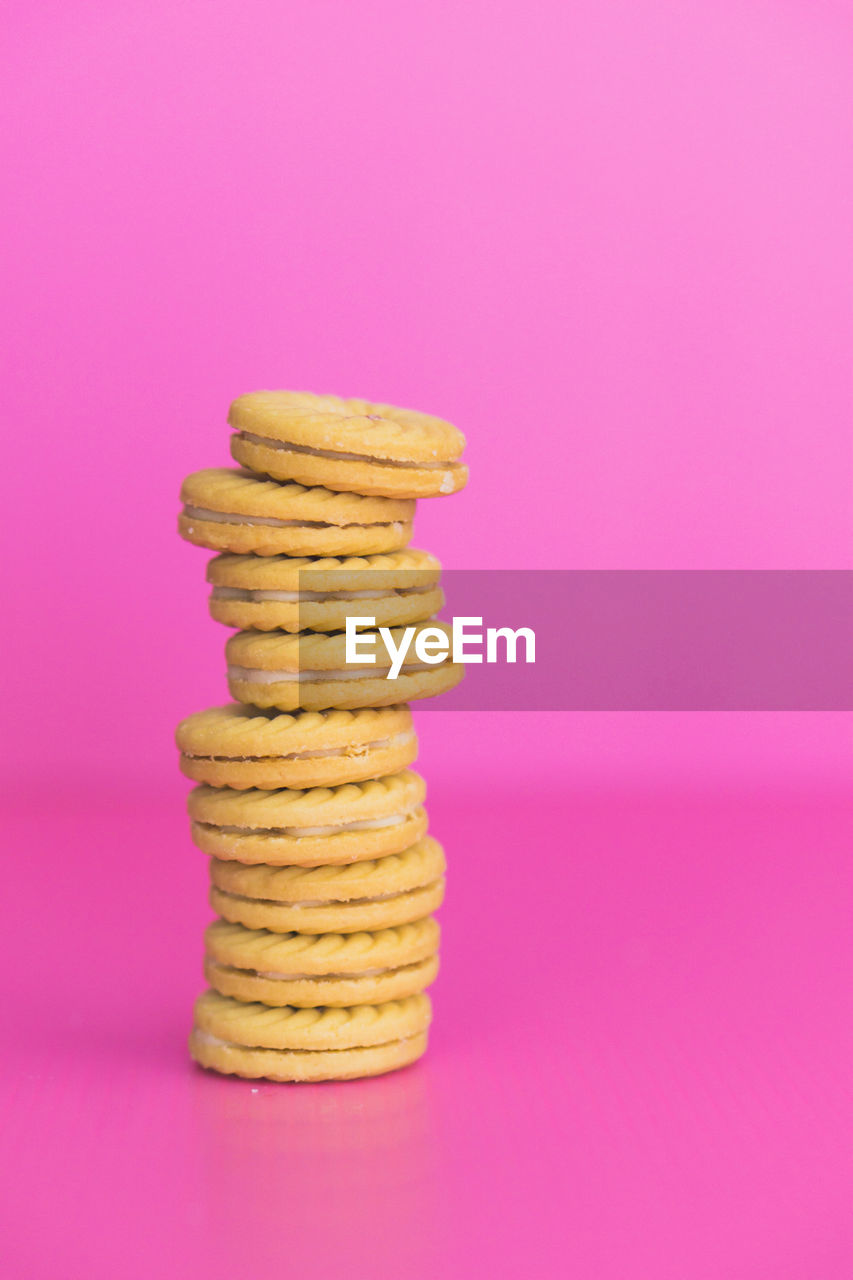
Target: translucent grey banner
<point>681,640</point>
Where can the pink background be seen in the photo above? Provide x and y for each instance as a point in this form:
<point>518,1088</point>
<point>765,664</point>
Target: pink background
<point>612,241</point>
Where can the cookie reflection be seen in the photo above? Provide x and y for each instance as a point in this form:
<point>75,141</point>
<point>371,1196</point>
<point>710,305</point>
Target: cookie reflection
<point>302,1172</point>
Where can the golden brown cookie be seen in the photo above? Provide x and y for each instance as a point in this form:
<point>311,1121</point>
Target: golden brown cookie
<point>227,509</point>
<point>349,445</point>
<point>242,746</point>
<point>316,827</point>
<point>299,593</point>
<point>309,970</point>
<point>309,670</point>
<point>259,1042</point>
<point>379,893</point>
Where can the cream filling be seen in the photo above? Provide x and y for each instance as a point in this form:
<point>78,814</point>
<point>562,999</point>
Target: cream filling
<point>372,824</point>
<point>286,447</point>
<point>206,1037</point>
<point>301,597</point>
<point>398,740</point>
<point>327,902</point>
<point>227,517</point>
<point>255,676</point>
<point>314,977</point>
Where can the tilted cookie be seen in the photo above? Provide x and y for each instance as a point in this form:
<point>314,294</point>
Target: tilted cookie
<point>298,593</point>
<point>242,746</point>
<point>349,445</point>
<point>323,825</point>
<point>309,670</point>
<point>226,509</point>
<point>309,970</point>
<point>259,1042</point>
<point>376,894</point>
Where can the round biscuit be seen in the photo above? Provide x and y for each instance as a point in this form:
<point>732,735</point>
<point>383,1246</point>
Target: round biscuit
<point>240,746</point>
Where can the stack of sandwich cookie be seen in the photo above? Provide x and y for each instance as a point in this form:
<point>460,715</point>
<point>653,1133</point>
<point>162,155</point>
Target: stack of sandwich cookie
<point>322,874</point>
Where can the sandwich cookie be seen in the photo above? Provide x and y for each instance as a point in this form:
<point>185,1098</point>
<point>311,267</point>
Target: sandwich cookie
<point>230,510</point>
<point>241,746</point>
<point>259,1042</point>
<point>380,893</point>
<point>349,445</point>
<point>320,826</point>
<point>309,970</point>
<point>297,593</point>
<point>309,669</point>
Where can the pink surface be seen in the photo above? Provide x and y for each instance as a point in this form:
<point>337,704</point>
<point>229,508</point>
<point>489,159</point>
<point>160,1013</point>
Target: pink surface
<point>639,1063</point>
<point>611,241</point>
